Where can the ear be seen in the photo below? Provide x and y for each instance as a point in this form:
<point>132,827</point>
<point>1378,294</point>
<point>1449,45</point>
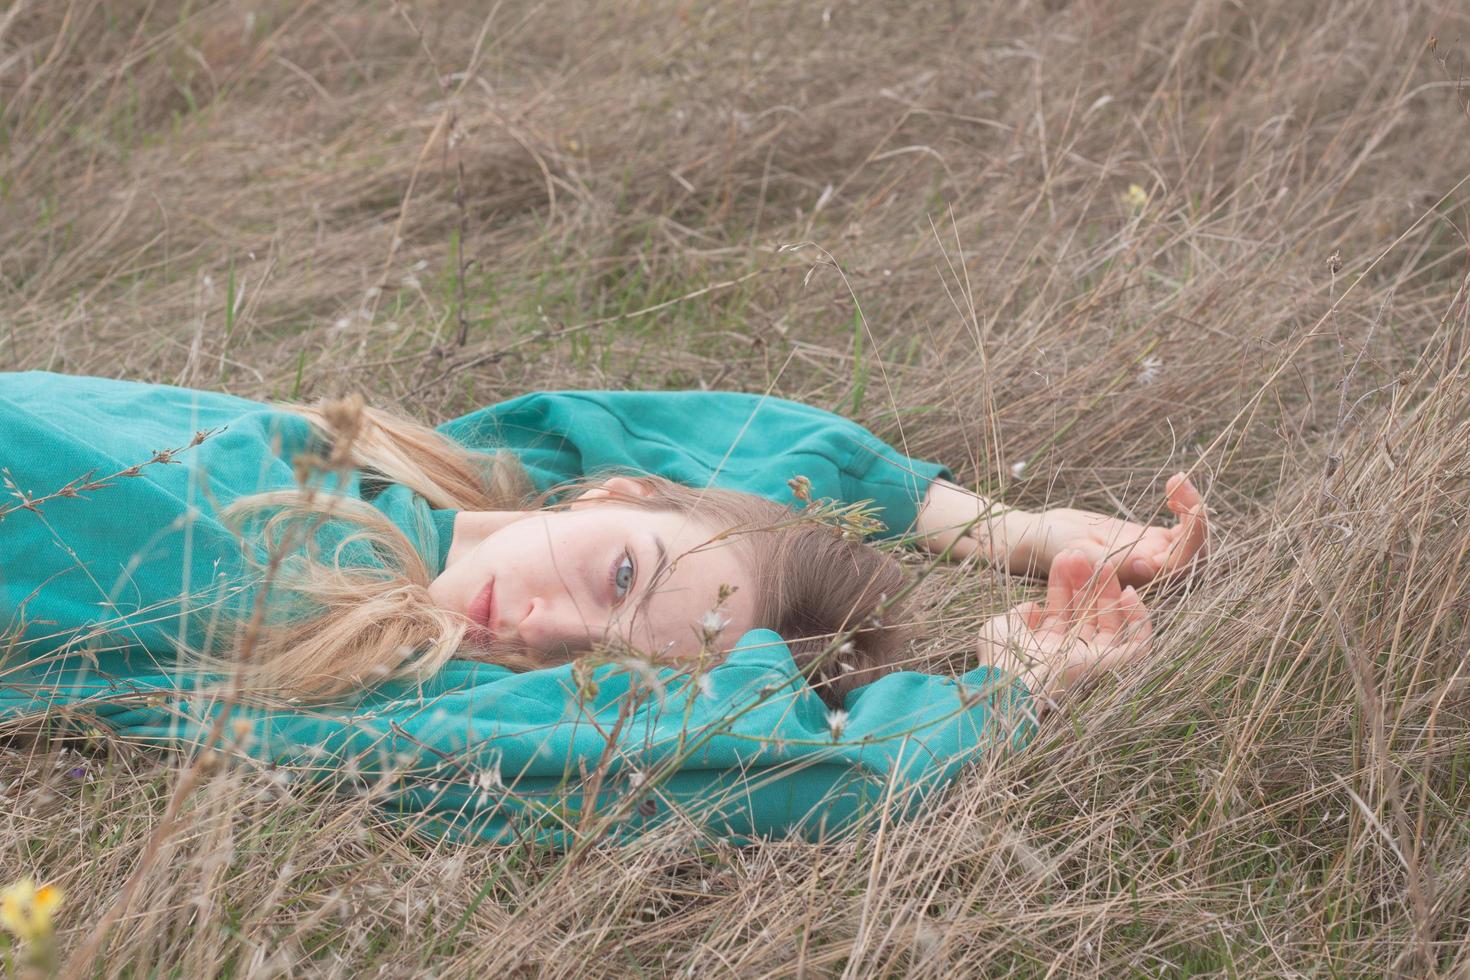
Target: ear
<point>615,485</point>
<point>626,486</point>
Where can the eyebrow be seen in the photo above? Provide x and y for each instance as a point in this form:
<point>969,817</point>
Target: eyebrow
<point>658,571</point>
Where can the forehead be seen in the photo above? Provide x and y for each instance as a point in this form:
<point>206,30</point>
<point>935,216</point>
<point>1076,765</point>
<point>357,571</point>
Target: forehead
<point>673,605</point>
<point>696,560</point>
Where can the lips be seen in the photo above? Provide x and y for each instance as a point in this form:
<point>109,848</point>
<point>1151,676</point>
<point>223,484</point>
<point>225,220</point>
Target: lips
<point>481,612</point>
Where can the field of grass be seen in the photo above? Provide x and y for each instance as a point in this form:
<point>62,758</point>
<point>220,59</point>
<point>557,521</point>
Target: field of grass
<point>1066,247</point>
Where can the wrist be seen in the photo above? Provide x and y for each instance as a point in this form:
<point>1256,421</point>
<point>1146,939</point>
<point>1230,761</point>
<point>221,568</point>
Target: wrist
<point>961,523</point>
<point>1013,538</point>
<point>1043,541</point>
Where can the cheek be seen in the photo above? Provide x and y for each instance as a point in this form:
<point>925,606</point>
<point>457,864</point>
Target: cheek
<point>739,626</point>
<point>532,559</point>
<point>450,589</point>
<point>441,588</point>
<point>445,589</point>
<point>537,561</point>
<point>742,615</point>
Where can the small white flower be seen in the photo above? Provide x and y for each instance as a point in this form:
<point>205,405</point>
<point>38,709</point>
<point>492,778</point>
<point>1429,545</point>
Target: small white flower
<point>927,936</point>
<point>1150,372</point>
<point>489,779</point>
<point>836,722</point>
<point>635,778</point>
<point>1017,469</point>
<point>712,622</point>
<point>706,685</point>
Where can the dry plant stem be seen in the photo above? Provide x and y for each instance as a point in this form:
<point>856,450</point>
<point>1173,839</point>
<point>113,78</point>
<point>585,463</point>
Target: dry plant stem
<point>83,484</point>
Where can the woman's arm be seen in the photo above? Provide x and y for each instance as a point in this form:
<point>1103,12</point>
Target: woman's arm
<point>757,443</point>
<point>738,441</point>
<point>1026,543</point>
<point>965,524</point>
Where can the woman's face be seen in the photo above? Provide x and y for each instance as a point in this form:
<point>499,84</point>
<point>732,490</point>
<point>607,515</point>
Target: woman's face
<point>560,581</point>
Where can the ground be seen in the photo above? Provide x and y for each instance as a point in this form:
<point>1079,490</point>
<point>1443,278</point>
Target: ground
<point>1068,248</point>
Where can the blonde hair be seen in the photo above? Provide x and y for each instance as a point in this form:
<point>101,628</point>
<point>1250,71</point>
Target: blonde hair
<point>363,625</point>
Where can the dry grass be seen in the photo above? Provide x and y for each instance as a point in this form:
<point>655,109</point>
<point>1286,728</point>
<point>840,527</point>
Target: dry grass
<point>446,207</point>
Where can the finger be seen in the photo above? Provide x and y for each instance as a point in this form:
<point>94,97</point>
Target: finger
<point>1092,552</point>
<point>1029,613</point>
<point>1185,500</point>
<point>1109,613</point>
<point>1165,550</point>
<point>1104,583</point>
<point>1192,539</point>
<point>1137,621</point>
<point>1140,632</point>
<point>1085,603</point>
<point>1059,587</point>
<point>1181,494</point>
<point>1075,571</point>
<point>1123,653</point>
<point>1091,580</point>
<point>1149,553</point>
<point>1140,563</point>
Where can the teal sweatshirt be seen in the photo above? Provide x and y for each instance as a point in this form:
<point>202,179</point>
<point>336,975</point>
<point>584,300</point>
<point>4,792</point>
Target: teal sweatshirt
<point>99,585</point>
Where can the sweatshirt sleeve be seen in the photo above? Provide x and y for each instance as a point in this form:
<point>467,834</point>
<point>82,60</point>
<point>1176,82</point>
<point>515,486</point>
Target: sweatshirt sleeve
<point>737,441</point>
<point>743,751</point>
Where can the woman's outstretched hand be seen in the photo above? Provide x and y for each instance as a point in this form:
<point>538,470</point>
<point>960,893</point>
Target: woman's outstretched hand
<point>1139,552</point>
<point>1087,623</point>
<point>961,523</point>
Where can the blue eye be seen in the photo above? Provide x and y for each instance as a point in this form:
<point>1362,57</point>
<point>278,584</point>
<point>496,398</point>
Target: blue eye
<point>623,574</point>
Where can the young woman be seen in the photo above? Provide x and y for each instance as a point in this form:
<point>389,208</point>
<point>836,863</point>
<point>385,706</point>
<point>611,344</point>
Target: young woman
<point>318,551</point>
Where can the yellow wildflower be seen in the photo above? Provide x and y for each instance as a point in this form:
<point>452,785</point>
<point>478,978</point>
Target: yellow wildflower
<point>1135,197</point>
<point>25,910</point>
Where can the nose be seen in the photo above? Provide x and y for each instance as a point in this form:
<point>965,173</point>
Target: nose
<point>553,623</point>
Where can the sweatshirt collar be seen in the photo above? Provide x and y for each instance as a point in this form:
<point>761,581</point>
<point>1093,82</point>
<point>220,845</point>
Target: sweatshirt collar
<point>443,521</point>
